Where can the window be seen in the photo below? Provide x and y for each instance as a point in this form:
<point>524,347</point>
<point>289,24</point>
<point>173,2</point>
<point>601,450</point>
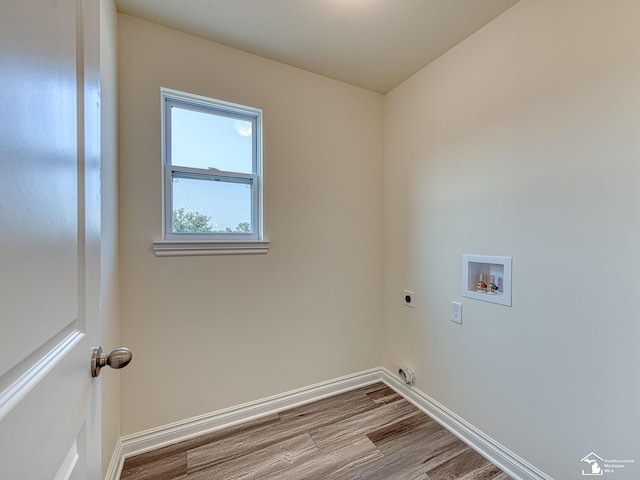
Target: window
<point>212,175</point>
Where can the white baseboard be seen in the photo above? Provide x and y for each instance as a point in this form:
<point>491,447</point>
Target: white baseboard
<point>117,461</point>
<point>142,442</point>
<point>145,441</point>
<point>508,461</point>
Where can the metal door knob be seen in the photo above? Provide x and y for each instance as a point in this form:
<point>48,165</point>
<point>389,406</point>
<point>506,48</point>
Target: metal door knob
<point>119,358</point>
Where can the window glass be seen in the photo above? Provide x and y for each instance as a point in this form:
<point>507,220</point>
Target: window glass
<point>203,140</point>
<point>203,205</point>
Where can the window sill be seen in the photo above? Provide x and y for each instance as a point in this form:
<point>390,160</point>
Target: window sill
<point>164,248</point>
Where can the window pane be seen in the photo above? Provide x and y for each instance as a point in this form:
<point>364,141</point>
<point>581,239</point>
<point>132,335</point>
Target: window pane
<point>211,206</point>
<point>205,140</point>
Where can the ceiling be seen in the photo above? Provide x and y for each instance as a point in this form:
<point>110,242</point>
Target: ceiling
<point>373,44</point>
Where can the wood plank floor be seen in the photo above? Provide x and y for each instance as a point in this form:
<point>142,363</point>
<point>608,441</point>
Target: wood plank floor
<point>370,433</point>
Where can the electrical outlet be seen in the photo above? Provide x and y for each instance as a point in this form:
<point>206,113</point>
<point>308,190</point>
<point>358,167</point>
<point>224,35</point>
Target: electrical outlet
<point>409,298</point>
<point>456,312</point>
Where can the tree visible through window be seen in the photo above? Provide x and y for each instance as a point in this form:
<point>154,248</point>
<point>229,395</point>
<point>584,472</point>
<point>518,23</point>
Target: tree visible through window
<point>196,222</point>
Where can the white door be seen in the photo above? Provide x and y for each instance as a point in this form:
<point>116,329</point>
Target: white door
<point>49,239</point>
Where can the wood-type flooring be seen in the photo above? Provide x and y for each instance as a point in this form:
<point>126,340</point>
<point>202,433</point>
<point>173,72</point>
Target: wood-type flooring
<point>370,433</point>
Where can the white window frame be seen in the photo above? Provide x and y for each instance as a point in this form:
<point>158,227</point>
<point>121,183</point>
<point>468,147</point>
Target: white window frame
<point>216,243</point>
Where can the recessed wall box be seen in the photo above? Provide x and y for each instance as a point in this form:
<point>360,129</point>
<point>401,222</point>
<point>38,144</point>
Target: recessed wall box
<point>487,278</point>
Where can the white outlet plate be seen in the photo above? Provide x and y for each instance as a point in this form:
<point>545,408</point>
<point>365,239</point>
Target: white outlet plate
<point>456,312</point>
<point>409,298</point>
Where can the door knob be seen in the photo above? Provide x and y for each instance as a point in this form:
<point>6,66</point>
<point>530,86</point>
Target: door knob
<point>119,358</point>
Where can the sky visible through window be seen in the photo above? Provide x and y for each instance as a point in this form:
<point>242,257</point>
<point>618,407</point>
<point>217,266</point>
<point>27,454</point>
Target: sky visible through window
<point>206,141</point>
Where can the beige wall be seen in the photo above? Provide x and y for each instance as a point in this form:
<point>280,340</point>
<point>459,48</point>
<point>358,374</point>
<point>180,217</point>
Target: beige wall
<point>109,308</point>
<point>523,141</point>
<point>213,332</point>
